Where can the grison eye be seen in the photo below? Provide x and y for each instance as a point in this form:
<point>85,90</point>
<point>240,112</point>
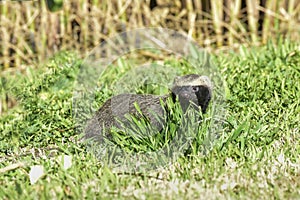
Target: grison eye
<point>195,89</point>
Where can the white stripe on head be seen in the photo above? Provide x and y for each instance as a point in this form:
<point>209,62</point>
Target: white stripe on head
<point>192,80</point>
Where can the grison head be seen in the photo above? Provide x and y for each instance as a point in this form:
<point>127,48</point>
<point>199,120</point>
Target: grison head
<point>192,90</point>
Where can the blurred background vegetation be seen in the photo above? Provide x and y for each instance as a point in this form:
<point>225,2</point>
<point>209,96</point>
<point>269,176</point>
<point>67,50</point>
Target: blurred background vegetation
<point>30,32</point>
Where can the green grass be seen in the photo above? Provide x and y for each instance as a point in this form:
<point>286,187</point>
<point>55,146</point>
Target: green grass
<point>256,156</point>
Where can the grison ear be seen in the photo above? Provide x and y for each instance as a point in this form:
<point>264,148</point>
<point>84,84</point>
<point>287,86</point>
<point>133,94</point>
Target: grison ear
<point>204,96</point>
<point>204,92</point>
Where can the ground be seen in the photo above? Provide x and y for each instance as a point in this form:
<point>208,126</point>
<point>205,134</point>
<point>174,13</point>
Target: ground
<point>256,156</point>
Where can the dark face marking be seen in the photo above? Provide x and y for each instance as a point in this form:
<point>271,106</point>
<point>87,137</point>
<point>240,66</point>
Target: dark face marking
<point>192,96</point>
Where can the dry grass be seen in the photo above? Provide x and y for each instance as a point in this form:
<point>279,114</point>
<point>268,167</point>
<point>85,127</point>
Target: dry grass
<point>30,33</point>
